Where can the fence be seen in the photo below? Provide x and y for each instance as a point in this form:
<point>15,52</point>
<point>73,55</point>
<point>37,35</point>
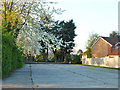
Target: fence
<point>108,61</point>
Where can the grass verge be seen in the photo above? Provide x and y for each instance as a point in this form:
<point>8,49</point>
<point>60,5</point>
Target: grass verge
<point>98,66</point>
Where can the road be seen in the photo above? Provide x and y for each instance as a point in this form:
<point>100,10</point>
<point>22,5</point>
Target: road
<point>61,76</point>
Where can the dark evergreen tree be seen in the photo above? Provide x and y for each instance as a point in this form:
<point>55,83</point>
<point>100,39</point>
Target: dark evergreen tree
<point>66,31</point>
<point>68,34</point>
<point>114,34</point>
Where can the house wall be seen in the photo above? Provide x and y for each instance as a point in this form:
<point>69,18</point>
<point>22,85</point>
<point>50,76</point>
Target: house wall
<point>109,49</point>
<point>115,51</point>
<point>100,49</point>
<point>104,61</point>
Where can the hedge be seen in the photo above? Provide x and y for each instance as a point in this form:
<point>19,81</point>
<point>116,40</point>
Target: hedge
<point>75,60</point>
<point>11,56</point>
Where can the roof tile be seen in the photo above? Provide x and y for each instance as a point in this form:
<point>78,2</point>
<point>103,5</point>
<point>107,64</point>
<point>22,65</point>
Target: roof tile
<point>112,40</point>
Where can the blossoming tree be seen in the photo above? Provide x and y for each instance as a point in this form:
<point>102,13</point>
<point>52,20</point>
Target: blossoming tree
<point>30,20</point>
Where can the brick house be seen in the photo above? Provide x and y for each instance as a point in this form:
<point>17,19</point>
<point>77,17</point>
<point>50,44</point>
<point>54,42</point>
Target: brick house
<point>106,46</point>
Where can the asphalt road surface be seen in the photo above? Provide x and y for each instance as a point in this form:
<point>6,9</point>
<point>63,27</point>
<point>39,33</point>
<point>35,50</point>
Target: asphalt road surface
<point>61,76</point>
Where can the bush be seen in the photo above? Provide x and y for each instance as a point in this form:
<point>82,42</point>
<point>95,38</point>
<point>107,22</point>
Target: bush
<point>39,58</point>
<point>68,58</point>
<point>53,59</point>
<point>11,56</point>
<point>76,59</point>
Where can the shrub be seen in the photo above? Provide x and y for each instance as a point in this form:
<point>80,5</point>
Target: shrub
<point>39,58</point>
<point>76,59</point>
<point>68,58</point>
<point>11,56</point>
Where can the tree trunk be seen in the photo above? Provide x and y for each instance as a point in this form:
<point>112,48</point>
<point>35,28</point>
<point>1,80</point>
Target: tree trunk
<point>55,55</point>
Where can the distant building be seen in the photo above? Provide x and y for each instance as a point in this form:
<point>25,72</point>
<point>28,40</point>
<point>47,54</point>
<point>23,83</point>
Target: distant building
<point>106,46</point>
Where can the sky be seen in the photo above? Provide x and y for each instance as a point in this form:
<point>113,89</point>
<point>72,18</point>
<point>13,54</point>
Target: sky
<point>90,16</point>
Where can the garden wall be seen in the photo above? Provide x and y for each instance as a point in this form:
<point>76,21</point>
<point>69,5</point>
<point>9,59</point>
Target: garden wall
<point>108,61</point>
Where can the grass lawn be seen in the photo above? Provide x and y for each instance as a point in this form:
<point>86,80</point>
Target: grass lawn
<point>98,66</point>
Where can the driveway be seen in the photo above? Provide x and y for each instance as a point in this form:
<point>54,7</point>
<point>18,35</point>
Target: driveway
<point>61,76</point>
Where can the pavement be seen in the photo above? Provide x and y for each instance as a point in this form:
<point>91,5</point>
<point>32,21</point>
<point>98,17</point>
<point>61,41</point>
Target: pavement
<point>61,76</point>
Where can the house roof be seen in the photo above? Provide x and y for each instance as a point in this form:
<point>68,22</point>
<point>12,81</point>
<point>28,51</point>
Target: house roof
<point>117,44</point>
<point>84,53</point>
<point>110,40</point>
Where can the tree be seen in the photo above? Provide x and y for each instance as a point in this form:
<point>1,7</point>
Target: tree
<point>10,18</point>
<point>34,17</point>
<point>114,34</point>
<point>92,39</point>
<point>65,31</point>
<point>79,51</point>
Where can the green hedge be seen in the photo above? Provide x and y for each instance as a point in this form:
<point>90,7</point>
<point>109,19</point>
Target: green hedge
<point>75,60</point>
<point>11,56</point>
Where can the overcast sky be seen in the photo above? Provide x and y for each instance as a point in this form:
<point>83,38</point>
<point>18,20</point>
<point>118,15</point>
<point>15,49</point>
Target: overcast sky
<point>98,16</point>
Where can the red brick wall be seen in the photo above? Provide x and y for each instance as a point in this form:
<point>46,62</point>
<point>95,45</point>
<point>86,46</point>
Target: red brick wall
<point>100,49</point>
<point>109,49</point>
<point>115,51</point>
